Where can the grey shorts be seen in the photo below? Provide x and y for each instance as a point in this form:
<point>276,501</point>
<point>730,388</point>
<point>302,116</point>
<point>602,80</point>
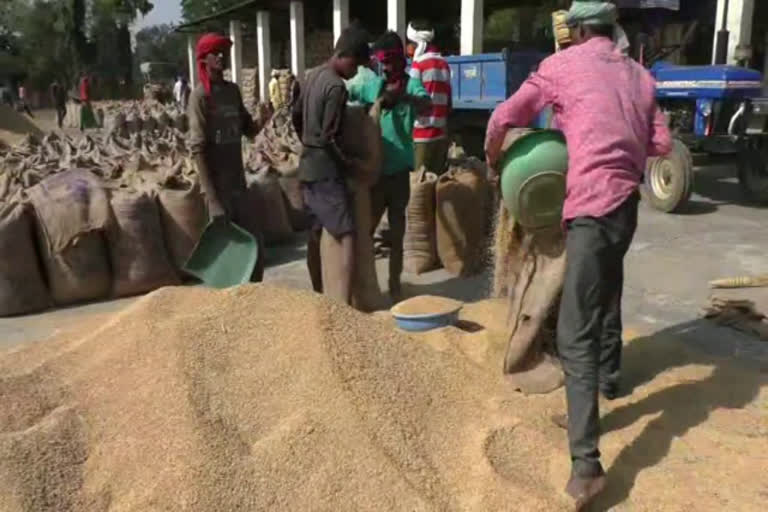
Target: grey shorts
<point>329,203</point>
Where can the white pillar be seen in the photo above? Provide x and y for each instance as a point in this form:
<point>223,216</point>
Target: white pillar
<point>298,62</point>
<point>236,52</point>
<point>191,42</point>
<point>265,53</point>
<point>471,27</point>
<point>396,17</point>
<point>340,17</point>
<point>740,14</point>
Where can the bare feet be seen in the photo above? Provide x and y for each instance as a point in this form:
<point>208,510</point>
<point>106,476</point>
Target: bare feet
<point>584,490</point>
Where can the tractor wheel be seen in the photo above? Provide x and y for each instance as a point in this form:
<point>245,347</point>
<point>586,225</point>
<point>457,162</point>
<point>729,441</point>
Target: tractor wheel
<point>753,175</point>
<point>669,180</point>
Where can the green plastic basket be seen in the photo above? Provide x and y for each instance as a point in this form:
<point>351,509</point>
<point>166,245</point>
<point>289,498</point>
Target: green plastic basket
<point>533,178</point>
<point>225,256</point>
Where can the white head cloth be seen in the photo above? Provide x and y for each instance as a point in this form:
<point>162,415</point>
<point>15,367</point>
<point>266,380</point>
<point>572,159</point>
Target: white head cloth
<point>422,38</point>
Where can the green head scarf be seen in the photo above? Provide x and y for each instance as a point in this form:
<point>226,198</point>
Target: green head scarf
<point>586,12</point>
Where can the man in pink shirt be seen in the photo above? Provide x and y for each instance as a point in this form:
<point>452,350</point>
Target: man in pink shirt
<point>605,105</point>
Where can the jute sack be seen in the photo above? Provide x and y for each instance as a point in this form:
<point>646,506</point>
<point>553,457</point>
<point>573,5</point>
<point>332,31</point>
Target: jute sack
<point>136,246</point>
<point>530,271</point>
<point>22,289</point>
<point>462,217</point>
<point>420,244</point>
<point>361,139</point>
<point>294,201</point>
<point>183,217</point>
<point>265,198</point>
<point>72,212</point>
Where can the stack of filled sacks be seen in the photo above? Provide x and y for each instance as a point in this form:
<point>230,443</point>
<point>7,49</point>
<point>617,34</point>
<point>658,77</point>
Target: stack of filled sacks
<point>86,219</point>
<point>449,218</point>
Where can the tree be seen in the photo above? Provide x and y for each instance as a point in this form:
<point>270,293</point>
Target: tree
<point>160,43</point>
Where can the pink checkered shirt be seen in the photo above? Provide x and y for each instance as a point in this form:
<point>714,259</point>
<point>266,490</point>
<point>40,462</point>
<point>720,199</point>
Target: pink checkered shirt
<point>605,105</point>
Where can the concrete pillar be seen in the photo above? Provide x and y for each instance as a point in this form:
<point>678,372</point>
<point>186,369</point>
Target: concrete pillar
<point>740,14</point>
<point>298,61</point>
<point>236,52</point>
<point>264,43</point>
<point>396,17</point>
<point>471,27</point>
<point>191,43</point>
<point>340,17</point>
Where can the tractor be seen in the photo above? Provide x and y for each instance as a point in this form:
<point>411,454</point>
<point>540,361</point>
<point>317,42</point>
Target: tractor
<point>712,110</point>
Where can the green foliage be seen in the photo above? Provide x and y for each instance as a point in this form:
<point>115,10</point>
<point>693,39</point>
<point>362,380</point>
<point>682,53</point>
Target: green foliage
<point>160,43</point>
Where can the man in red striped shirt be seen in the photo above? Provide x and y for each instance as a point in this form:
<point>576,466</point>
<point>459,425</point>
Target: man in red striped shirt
<point>430,131</point>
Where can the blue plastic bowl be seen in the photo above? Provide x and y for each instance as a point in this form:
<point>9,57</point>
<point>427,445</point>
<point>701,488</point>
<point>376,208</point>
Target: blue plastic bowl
<point>422,323</point>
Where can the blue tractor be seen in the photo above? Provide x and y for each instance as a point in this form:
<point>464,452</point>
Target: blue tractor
<point>716,110</point>
<point>712,110</point>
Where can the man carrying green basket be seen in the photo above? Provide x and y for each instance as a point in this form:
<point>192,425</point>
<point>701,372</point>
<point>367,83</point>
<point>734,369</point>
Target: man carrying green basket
<point>605,105</point>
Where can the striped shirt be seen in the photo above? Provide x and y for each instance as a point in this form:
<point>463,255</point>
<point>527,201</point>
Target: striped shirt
<point>434,72</point>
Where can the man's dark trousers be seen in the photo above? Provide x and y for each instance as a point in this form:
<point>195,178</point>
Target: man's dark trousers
<point>589,324</point>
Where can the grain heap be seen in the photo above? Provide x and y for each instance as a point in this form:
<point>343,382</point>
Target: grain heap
<point>259,398</point>
<point>293,402</point>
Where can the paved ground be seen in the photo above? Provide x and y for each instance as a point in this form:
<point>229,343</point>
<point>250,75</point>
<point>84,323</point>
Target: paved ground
<point>669,265</point>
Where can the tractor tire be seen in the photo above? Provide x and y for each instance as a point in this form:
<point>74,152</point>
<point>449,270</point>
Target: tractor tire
<point>669,180</point>
<point>753,175</point>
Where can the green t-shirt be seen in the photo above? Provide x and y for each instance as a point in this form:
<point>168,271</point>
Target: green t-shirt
<point>396,124</point>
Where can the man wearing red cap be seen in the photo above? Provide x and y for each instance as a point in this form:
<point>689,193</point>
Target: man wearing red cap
<point>218,120</point>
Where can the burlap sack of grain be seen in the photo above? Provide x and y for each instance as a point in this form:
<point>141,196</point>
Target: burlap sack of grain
<point>361,139</point>
<point>116,124</point>
<point>22,289</point>
<point>265,199</point>
<point>294,201</point>
<point>136,246</point>
<point>164,120</point>
<point>72,212</point>
<point>183,217</point>
<point>133,123</point>
<point>462,196</point>
<point>529,273</point>
<point>420,244</point>
<point>181,122</point>
<point>148,123</point>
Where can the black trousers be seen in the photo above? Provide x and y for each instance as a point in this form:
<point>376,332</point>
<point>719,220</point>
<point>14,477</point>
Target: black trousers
<point>589,324</point>
<point>391,194</point>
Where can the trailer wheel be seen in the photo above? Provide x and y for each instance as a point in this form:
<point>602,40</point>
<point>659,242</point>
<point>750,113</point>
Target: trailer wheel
<point>753,175</point>
<point>669,180</point>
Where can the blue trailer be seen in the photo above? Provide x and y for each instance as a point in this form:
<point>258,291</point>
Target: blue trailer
<point>480,83</point>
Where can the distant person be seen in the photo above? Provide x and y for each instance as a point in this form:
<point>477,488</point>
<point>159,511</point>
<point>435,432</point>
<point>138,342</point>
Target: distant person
<point>605,104</point>
<point>430,133</point>
<point>59,99</point>
<point>185,92</point>
<point>23,106</point>
<point>85,88</point>
<point>87,117</point>
<point>177,92</point>
<point>6,97</point>
<point>218,121</point>
<point>324,168</point>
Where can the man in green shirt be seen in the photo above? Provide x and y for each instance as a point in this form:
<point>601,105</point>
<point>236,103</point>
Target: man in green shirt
<point>403,98</point>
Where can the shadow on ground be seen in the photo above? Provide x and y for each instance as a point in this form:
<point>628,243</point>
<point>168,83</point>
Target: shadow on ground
<point>720,185</point>
<point>679,408</point>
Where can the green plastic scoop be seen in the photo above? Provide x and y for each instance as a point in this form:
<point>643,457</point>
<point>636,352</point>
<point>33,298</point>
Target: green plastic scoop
<point>225,256</point>
<point>533,178</point>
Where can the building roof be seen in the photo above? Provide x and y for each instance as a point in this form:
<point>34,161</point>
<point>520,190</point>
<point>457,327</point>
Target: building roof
<point>230,12</point>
